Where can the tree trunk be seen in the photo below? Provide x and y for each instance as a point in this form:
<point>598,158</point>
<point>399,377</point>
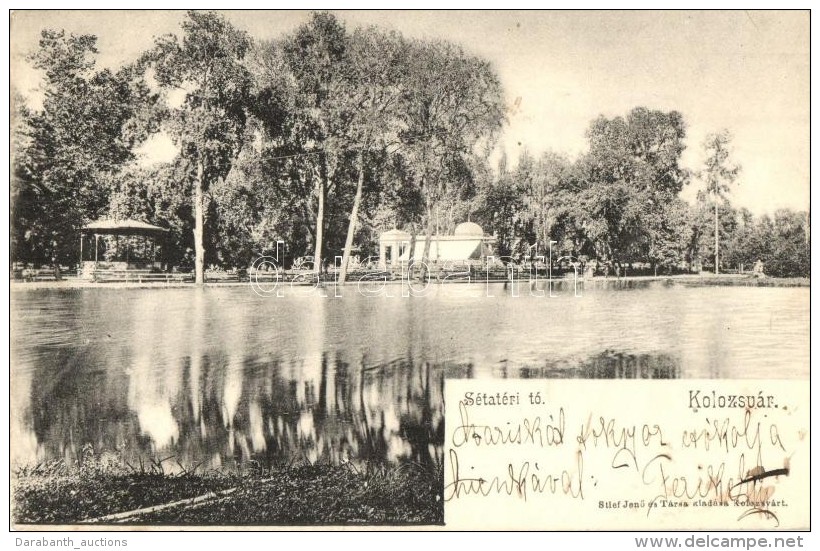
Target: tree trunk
<point>354,216</point>
<point>320,220</point>
<point>425,256</point>
<point>717,240</point>
<point>55,263</point>
<point>412,256</point>
<point>546,240</point>
<point>546,236</point>
<point>693,250</point>
<point>199,224</point>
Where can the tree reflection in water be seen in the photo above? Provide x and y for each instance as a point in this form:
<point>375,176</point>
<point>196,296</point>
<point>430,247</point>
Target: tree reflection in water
<point>245,411</point>
<point>223,379</point>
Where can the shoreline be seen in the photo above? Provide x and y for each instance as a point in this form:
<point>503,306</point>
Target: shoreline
<point>293,495</point>
<point>727,280</point>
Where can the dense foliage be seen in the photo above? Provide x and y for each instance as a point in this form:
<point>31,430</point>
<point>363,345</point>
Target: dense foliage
<point>326,137</point>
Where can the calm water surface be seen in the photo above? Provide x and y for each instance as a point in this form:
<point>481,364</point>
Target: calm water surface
<point>222,376</point>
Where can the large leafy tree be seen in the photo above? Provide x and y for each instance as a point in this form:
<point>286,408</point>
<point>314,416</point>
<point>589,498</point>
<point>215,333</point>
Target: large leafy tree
<point>373,86</point>
<point>341,90</point>
<point>780,242</point>
<point>279,178</point>
<point>153,193</point>
<point>69,150</point>
<point>315,57</point>
<point>451,109</point>
<point>499,203</point>
<point>791,250</point>
<point>741,248</point>
<point>209,127</point>
<point>631,176</point>
<point>549,199</point>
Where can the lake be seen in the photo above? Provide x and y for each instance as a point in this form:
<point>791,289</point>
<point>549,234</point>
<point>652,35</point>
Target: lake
<point>222,377</point>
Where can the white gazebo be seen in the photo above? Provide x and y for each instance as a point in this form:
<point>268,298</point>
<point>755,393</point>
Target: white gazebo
<point>122,258</point>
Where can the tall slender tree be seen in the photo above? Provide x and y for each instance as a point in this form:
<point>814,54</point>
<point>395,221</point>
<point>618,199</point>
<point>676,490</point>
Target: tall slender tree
<point>315,57</point>
<point>719,174</point>
<point>374,83</point>
<point>209,126</point>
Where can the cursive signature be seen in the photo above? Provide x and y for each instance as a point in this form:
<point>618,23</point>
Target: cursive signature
<point>529,431</point>
<point>519,480</point>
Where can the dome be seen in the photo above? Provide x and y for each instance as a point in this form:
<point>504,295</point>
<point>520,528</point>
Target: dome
<point>470,229</point>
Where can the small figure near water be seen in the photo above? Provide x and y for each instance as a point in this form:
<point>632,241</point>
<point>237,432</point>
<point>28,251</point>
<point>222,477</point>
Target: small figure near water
<point>758,269</point>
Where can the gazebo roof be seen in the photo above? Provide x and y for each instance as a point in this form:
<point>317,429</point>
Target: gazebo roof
<point>122,227</point>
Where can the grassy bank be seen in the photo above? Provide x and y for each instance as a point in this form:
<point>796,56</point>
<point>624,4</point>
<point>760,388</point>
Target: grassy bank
<point>748,281</point>
<point>307,494</point>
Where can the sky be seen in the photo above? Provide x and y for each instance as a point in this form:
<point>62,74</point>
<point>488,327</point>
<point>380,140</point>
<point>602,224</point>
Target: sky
<point>747,71</point>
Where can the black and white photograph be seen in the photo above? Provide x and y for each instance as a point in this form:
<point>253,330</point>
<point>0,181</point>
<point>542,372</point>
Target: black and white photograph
<point>251,251</point>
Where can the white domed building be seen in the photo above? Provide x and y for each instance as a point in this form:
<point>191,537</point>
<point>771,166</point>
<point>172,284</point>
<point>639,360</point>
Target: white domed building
<point>467,243</point>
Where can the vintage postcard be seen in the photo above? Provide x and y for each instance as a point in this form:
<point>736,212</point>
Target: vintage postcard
<point>456,270</point>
